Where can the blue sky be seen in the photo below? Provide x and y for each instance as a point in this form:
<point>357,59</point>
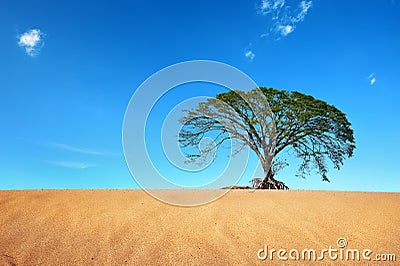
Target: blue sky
<point>69,68</point>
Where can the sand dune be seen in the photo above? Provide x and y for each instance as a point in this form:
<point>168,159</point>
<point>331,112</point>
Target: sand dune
<point>121,227</point>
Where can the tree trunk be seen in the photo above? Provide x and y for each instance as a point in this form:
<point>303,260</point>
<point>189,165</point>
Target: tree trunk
<point>270,182</point>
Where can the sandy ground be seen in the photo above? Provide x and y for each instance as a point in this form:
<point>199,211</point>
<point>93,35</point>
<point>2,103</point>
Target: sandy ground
<point>121,227</point>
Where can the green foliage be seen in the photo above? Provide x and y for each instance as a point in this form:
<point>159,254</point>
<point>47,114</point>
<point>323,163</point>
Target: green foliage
<point>313,128</point>
<point>316,131</point>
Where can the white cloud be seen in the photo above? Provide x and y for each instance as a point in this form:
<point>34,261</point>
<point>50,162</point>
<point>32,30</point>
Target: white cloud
<point>250,55</point>
<point>69,164</point>
<point>82,150</point>
<point>278,4</point>
<point>372,79</point>
<point>304,7</point>
<point>283,17</point>
<point>31,41</point>
<point>265,7</point>
<point>285,30</point>
<point>269,6</point>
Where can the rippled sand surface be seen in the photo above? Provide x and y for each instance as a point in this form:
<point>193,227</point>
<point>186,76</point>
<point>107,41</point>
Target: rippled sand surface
<point>128,227</point>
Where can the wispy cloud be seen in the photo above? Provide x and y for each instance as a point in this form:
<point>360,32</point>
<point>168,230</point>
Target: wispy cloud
<point>285,30</point>
<point>71,164</point>
<point>270,7</point>
<point>372,79</point>
<point>76,164</point>
<point>31,41</point>
<point>82,150</point>
<point>304,7</point>
<point>249,54</point>
<point>283,17</point>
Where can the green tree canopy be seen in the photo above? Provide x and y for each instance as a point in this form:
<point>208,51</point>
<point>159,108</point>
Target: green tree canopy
<point>316,131</point>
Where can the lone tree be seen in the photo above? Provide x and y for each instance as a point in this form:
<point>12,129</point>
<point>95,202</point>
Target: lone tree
<point>316,131</point>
